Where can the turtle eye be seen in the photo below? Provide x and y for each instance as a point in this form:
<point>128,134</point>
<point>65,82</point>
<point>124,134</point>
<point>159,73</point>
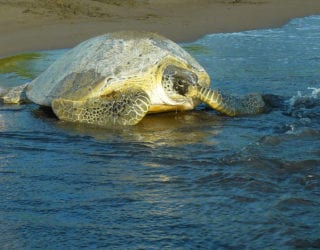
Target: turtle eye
<point>180,82</point>
<point>181,86</point>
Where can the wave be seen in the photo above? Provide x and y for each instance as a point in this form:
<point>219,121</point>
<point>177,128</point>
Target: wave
<point>303,107</point>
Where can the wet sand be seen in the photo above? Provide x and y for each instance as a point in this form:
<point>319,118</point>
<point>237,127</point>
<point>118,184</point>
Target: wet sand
<point>43,24</point>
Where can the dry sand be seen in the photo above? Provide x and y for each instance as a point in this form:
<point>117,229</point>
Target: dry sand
<point>46,24</point>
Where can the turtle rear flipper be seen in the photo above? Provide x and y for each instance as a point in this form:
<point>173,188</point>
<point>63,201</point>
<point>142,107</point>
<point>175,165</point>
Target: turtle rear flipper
<point>231,105</point>
<point>14,95</point>
<point>126,108</point>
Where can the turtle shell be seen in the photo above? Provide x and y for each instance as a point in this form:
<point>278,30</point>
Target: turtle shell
<point>94,65</point>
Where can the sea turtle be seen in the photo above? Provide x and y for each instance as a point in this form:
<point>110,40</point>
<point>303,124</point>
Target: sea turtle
<point>117,78</point>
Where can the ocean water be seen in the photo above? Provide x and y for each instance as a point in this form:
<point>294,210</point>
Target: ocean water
<point>191,180</point>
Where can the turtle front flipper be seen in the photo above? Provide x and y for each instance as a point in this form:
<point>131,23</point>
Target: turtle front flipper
<point>231,105</point>
<point>126,108</point>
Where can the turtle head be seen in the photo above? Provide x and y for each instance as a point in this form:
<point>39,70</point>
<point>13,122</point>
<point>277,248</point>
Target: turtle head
<point>178,81</point>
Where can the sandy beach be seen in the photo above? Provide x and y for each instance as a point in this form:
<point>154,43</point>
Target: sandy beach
<point>43,24</point>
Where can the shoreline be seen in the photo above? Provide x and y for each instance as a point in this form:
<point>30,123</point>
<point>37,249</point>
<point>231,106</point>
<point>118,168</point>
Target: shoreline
<point>42,25</point>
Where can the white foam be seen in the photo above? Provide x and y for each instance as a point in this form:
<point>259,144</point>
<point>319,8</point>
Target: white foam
<point>315,94</point>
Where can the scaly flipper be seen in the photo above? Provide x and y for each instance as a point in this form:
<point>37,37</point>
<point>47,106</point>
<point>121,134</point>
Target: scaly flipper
<point>14,95</point>
<point>127,108</point>
<point>231,105</point>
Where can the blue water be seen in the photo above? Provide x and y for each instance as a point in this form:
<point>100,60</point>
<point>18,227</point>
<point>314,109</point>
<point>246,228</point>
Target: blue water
<point>192,180</point>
